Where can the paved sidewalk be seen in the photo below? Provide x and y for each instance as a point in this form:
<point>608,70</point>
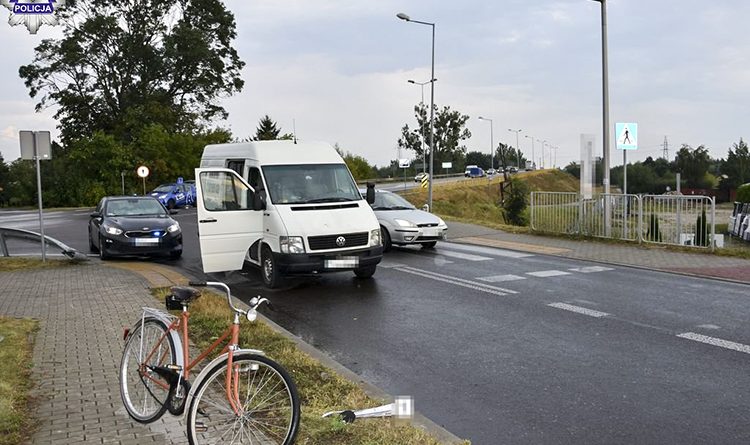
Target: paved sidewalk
<point>82,312</point>
<point>655,258</point>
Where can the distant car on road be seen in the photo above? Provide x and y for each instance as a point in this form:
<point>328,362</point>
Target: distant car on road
<point>420,176</point>
<point>467,171</point>
<point>401,223</point>
<point>476,172</point>
<point>175,195</point>
<point>491,171</point>
<point>133,225</point>
<point>513,169</point>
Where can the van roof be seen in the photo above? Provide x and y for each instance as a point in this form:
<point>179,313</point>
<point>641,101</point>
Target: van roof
<point>275,152</point>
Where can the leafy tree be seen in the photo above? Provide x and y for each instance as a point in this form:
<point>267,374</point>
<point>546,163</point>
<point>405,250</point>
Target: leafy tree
<point>450,131</point>
<point>743,193</point>
<point>125,64</point>
<point>267,130</point>
<point>574,169</point>
<point>693,164</point>
<point>509,156</point>
<point>4,179</point>
<point>358,165</point>
<point>737,165</point>
<point>515,205</point>
<point>21,186</point>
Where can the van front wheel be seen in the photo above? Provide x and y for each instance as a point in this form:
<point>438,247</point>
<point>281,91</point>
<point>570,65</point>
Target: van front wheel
<point>268,269</point>
<point>365,272</point>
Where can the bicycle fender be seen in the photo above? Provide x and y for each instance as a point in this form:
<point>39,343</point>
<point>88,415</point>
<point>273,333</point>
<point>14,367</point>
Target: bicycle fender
<point>176,340</point>
<point>202,376</point>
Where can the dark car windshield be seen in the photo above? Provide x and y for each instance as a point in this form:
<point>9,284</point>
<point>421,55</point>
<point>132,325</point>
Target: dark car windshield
<point>310,183</point>
<point>390,201</point>
<point>164,188</point>
<point>135,207</point>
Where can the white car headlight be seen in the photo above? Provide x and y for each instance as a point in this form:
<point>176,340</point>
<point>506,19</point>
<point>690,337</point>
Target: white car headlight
<point>292,244</point>
<point>375,239</point>
<point>404,223</point>
<point>113,230</point>
<point>162,196</point>
<point>441,222</point>
<point>173,228</point>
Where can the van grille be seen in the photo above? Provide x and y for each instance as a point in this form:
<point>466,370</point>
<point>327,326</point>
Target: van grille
<point>428,225</point>
<point>329,241</point>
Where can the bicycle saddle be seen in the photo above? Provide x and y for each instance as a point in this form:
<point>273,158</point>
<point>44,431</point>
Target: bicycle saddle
<point>183,294</point>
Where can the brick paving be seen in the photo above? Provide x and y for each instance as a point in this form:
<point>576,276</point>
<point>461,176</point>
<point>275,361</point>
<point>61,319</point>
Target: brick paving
<point>82,311</point>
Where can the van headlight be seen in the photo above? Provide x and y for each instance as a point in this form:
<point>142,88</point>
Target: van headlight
<point>404,223</point>
<point>375,238</point>
<point>291,244</point>
<point>173,228</point>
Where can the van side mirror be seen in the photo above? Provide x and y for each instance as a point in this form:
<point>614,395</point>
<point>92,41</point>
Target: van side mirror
<point>259,199</point>
<point>370,193</point>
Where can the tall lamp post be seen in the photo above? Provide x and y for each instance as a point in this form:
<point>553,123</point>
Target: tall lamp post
<point>544,142</point>
<point>424,154</point>
<point>533,162</point>
<point>605,118</point>
<point>492,140</point>
<point>405,17</point>
<point>518,149</point>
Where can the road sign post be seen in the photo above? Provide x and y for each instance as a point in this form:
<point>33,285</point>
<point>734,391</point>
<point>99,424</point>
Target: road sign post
<point>627,139</point>
<point>36,145</point>
<point>143,173</point>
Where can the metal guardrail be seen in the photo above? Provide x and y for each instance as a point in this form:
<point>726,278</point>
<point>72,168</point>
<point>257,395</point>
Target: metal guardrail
<point>27,235</point>
<point>658,219</point>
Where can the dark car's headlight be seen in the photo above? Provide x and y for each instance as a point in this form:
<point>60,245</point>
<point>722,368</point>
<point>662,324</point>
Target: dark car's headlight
<point>112,230</point>
<point>174,228</point>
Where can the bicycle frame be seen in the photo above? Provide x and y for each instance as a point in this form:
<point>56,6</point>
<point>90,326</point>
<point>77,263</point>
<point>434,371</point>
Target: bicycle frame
<point>231,333</point>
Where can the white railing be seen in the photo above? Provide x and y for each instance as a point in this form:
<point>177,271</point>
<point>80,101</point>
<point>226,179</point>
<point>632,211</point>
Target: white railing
<point>661,219</point>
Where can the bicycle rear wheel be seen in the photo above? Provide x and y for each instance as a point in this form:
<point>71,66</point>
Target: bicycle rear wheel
<point>144,392</point>
<point>268,398</point>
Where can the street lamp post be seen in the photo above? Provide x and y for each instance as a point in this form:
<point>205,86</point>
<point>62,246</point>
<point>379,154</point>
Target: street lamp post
<point>492,141</point>
<point>518,149</point>
<point>605,112</point>
<point>405,17</point>
<point>533,162</point>
<point>424,153</point>
<point>544,142</point>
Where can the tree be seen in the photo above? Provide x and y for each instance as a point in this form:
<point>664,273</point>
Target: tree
<point>122,65</point>
<point>737,165</point>
<point>450,130</point>
<point>358,165</point>
<point>266,130</point>
<point>4,179</point>
<point>515,205</point>
<point>509,156</point>
<point>693,164</point>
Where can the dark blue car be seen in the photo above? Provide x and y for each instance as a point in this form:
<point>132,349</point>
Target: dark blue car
<point>174,195</point>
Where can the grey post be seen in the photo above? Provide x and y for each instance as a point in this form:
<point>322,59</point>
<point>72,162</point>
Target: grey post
<point>39,193</point>
<point>492,140</point>
<point>533,161</point>
<point>424,154</point>
<point>518,149</point>
<point>405,17</point>
<point>605,117</point>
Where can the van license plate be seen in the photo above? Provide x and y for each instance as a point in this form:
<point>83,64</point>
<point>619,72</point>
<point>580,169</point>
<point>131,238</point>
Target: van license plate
<point>146,241</point>
<point>342,263</point>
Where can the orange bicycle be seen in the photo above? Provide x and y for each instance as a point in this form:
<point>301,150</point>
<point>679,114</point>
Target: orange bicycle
<point>241,396</point>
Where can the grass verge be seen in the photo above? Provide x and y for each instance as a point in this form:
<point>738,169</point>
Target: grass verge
<point>320,389</point>
<point>15,380</point>
<point>10,264</point>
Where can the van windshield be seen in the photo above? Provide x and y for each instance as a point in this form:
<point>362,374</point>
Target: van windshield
<point>310,183</point>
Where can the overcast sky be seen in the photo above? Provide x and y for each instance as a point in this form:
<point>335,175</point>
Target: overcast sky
<point>338,69</point>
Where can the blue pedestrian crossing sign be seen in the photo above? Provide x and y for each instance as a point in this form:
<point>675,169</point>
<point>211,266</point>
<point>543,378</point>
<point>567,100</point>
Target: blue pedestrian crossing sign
<point>627,136</point>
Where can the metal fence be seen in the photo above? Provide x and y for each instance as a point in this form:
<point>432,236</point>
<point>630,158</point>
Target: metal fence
<point>663,219</point>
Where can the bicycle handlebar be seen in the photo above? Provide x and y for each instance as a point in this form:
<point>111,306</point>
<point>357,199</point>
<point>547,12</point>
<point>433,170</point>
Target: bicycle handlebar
<point>229,295</point>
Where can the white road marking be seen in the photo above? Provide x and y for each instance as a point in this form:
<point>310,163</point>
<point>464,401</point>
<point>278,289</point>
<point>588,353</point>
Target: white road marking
<point>457,281</point>
<point>464,256</point>
<point>590,269</point>
<point>441,261</point>
<point>708,326</point>
<point>390,264</point>
<point>483,250</point>
<point>578,310</point>
<point>547,273</point>
<point>716,342</point>
<point>500,278</point>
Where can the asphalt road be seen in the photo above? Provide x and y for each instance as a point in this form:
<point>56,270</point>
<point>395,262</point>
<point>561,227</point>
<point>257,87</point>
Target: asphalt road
<point>505,347</point>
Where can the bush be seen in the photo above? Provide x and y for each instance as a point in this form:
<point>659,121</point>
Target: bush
<point>516,202</point>
<point>701,230</point>
<point>653,233</point>
<point>743,193</point>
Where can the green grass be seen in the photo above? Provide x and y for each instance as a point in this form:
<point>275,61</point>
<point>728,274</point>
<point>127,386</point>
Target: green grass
<point>320,388</point>
<point>10,264</point>
<point>15,381</point>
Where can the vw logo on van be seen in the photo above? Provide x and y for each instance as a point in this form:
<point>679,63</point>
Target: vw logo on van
<point>341,241</point>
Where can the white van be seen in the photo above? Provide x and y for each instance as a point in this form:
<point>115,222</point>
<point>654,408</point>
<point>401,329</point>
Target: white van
<point>289,208</point>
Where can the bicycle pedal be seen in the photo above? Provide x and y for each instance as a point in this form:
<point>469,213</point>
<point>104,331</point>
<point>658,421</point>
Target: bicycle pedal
<point>200,427</point>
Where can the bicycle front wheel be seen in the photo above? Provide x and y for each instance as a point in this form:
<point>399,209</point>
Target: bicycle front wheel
<point>144,392</point>
<point>265,395</point>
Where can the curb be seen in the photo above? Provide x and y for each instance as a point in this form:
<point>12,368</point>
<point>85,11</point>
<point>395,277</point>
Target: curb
<point>164,276</point>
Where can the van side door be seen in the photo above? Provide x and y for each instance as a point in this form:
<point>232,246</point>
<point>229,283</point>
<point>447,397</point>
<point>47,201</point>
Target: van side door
<point>227,223</point>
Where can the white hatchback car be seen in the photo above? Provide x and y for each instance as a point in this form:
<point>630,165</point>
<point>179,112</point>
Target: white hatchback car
<point>401,223</point>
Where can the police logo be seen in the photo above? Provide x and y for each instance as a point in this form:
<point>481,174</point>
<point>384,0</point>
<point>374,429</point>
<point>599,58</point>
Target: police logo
<point>32,13</point>
<point>341,241</point>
